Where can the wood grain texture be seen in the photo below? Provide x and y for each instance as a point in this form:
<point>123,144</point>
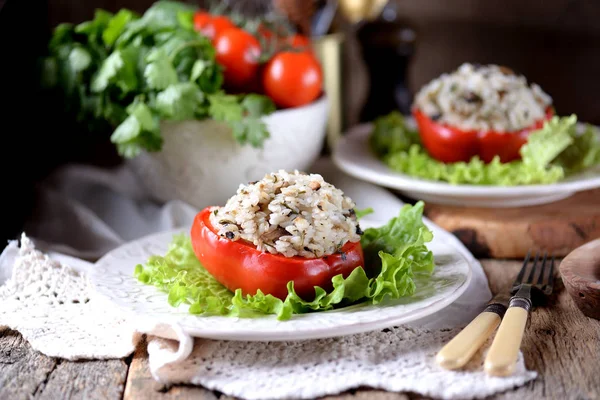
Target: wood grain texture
<point>85,380</point>
<point>141,385</point>
<point>28,374</point>
<point>22,370</point>
<point>558,227</point>
<point>559,343</point>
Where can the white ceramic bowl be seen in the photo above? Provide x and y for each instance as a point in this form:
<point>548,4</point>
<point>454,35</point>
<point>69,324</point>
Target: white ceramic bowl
<point>201,164</point>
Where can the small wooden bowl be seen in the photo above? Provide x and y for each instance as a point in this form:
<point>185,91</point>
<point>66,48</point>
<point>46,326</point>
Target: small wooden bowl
<point>580,271</point>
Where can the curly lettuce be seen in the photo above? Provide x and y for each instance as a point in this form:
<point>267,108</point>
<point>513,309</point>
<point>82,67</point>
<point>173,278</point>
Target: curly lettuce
<point>394,254</point>
<point>552,153</point>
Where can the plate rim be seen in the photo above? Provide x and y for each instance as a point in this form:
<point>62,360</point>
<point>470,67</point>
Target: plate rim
<point>358,135</point>
<point>270,335</point>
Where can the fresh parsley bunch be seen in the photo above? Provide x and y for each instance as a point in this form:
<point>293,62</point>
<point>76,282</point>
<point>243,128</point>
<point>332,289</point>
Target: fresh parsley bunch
<point>129,72</point>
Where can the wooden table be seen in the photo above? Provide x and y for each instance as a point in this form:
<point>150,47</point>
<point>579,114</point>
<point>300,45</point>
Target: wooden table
<point>560,343</point>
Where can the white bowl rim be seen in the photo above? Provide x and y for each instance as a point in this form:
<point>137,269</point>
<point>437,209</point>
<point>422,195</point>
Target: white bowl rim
<point>318,102</point>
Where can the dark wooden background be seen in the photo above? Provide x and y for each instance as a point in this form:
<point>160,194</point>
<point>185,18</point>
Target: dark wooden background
<point>555,43</point>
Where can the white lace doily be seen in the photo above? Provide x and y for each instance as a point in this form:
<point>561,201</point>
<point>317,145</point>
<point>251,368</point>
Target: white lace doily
<point>53,307</point>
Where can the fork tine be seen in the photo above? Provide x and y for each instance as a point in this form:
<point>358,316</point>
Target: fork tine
<point>551,273</point>
<point>541,277</point>
<point>533,267</point>
<point>519,277</point>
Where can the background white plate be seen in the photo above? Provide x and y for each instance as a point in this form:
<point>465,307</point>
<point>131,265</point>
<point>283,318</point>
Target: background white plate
<point>353,155</point>
<point>113,278</point>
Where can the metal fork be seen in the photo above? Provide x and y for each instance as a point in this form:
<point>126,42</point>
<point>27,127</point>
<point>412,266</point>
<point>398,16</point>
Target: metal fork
<point>502,356</point>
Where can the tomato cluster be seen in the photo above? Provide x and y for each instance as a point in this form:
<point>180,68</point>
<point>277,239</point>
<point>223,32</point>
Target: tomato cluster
<point>291,76</point>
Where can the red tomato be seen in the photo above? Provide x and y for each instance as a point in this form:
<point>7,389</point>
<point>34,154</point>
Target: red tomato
<point>215,26</point>
<point>449,144</point>
<point>201,19</point>
<point>293,79</point>
<point>238,52</point>
<point>239,265</point>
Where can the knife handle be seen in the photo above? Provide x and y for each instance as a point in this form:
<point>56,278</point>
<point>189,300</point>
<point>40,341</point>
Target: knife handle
<point>457,352</point>
<point>502,357</point>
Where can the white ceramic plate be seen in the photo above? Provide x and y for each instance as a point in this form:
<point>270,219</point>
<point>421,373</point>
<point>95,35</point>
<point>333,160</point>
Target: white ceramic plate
<point>352,154</point>
<point>113,278</point>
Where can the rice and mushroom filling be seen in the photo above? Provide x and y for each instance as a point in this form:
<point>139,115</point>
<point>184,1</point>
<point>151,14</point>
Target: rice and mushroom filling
<point>483,97</point>
<point>289,213</point>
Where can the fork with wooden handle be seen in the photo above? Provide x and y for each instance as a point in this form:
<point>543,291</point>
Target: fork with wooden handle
<point>502,357</point>
<point>457,352</point>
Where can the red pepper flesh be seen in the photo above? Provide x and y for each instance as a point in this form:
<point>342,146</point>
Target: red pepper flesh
<point>450,144</point>
<point>239,265</point>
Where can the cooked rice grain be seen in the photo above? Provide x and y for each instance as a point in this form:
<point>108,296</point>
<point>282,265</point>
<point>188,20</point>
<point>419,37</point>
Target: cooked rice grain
<point>488,97</point>
<point>293,214</point>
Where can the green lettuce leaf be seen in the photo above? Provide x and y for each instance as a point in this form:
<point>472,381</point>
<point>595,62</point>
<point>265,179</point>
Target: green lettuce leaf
<point>391,134</point>
<point>180,274</point>
<point>397,252</point>
<point>362,213</point>
<point>545,144</point>
<point>551,153</point>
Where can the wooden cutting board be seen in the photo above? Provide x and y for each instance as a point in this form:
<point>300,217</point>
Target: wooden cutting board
<point>557,227</point>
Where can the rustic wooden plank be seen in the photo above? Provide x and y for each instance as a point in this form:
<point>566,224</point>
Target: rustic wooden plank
<point>22,370</point>
<point>28,374</point>
<point>96,379</point>
<point>558,227</point>
<point>560,343</point>
<point>141,385</point>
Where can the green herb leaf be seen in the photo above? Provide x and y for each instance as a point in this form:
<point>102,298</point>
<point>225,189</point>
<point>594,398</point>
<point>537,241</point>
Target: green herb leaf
<point>139,131</point>
<point>251,128</point>
<point>99,67</point>
<point>179,101</point>
<point>256,105</point>
<point>63,34</point>
<point>225,107</point>
<point>186,19</point>
<point>159,72</point>
<point>116,25</point>
<point>79,59</point>
<point>96,26</point>
<point>117,69</point>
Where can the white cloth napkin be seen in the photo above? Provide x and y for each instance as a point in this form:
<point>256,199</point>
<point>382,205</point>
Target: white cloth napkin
<point>86,212</point>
